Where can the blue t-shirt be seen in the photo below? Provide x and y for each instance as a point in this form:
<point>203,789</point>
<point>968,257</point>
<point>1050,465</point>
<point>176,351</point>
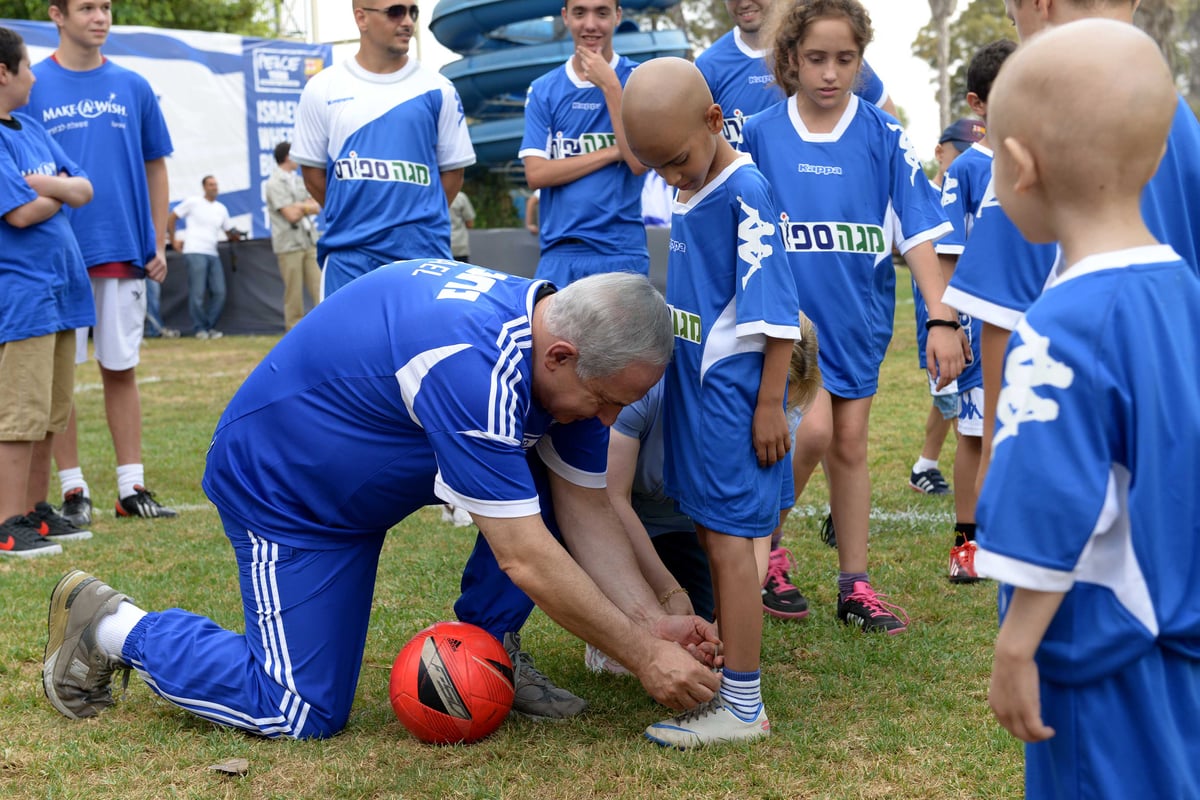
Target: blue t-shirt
<point>730,286</point>
<point>1000,280</point>
<point>742,84</point>
<point>845,198</point>
<point>643,420</point>
<point>963,192</point>
<point>1091,488</point>
<point>383,141</point>
<point>432,403</point>
<point>108,120</point>
<point>566,116</point>
<point>42,278</point>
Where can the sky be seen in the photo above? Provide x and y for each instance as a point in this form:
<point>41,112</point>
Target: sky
<point>909,81</point>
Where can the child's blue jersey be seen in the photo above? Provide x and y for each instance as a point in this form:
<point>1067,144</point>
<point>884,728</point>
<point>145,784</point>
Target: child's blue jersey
<point>566,116</point>
<point>845,198</point>
<point>963,192</point>
<point>432,403</point>
<point>1000,280</point>
<point>46,287</point>
<point>742,83</point>
<point>108,120</point>
<point>1091,488</point>
<point>730,286</point>
<point>383,141</point>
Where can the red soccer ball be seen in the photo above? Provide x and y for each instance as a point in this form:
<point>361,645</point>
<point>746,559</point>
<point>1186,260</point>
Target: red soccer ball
<point>453,682</point>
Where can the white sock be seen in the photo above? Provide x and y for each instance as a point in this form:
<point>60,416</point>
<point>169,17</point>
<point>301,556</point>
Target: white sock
<point>73,479</point>
<point>924,464</point>
<point>742,693</point>
<point>114,629</point>
<point>129,476</point>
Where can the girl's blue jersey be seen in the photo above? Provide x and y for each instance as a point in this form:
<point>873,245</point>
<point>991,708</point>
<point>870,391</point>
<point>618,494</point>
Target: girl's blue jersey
<point>46,287</point>
<point>845,199</point>
<point>1091,489</point>
<point>730,286</point>
<point>411,385</point>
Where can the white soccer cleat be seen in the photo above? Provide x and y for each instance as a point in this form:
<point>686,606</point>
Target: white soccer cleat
<point>710,723</point>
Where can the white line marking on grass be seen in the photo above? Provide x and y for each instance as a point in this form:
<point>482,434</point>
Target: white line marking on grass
<point>910,514</point>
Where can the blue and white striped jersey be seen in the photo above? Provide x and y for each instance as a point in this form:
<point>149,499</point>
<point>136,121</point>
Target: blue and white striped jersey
<point>431,401</point>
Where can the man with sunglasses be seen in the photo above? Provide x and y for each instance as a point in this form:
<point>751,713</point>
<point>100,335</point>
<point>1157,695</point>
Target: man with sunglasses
<point>382,143</point>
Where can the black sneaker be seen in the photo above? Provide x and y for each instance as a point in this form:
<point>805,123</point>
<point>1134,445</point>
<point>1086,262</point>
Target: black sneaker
<point>142,504</point>
<point>55,526</point>
<point>931,481</point>
<point>20,538</point>
<point>867,610</point>
<point>77,508</point>
<point>779,597</point>
<point>828,534</point>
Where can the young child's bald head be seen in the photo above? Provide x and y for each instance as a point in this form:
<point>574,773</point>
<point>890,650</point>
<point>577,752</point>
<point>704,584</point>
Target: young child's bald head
<point>671,122</point>
<point>1088,105</point>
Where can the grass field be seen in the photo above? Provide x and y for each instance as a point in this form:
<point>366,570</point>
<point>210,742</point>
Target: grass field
<point>853,716</point>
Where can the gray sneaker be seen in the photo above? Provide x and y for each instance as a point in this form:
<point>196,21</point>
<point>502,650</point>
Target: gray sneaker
<point>536,696</point>
<point>76,674</point>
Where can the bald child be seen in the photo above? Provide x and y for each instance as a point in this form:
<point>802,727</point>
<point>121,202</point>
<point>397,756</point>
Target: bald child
<point>1089,514</point>
<point>737,314</point>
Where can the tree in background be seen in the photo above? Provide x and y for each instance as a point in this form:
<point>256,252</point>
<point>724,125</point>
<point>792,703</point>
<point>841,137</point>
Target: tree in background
<point>982,22</point>
<point>244,17</point>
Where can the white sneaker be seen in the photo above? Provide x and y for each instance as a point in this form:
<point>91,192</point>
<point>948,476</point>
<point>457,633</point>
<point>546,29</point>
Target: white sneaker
<point>458,517</point>
<point>599,661</point>
<point>215,334</point>
<point>201,334</point>
<point>710,723</point>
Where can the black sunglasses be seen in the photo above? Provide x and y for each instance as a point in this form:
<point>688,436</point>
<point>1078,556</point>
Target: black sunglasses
<point>396,12</point>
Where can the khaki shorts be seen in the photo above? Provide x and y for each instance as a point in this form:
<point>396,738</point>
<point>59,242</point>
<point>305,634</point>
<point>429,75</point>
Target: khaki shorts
<point>37,382</point>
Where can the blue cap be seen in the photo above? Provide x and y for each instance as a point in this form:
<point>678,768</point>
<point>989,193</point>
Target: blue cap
<point>963,133</point>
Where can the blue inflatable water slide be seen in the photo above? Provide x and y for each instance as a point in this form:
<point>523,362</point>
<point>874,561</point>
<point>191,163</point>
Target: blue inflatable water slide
<point>506,44</point>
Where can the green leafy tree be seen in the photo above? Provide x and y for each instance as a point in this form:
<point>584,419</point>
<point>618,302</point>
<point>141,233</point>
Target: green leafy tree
<point>244,17</point>
<point>704,21</point>
<point>982,22</point>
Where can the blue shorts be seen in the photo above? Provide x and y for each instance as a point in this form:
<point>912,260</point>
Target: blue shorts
<point>1132,734</point>
<point>566,264</point>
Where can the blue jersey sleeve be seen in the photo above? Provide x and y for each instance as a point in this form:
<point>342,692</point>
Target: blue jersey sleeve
<point>14,191</point>
<point>766,299</point>
<point>156,139</point>
<point>955,197</point>
<point>913,199</point>
<point>536,141</point>
<point>637,417</point>
<point>577,452</point>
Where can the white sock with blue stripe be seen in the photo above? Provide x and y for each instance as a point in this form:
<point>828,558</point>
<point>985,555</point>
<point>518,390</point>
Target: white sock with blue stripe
<point>742,693</point>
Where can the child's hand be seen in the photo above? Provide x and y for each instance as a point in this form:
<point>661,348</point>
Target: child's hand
<point>1016,700</point>
<point>947,353</point>
<point>770,432</point>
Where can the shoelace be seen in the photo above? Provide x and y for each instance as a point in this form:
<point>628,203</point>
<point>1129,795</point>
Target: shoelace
<point>702,710</point>
<point>966,555</point>
<point>777,568</point>
<point>876,604</point>
<point>523,667</point>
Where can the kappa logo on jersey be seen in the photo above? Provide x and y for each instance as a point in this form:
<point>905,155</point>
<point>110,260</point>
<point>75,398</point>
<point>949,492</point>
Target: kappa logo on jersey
<point>354,168</point>
<point>687,325</point>
<point>832,237</point>
<point>86,109</point>
<point>910,152</point>
<point>989,198</point>
<point>752,231</point>
<point>732,127</point>
<point>949,189</point>
<point>1029,366</point>
<point>562,147</point>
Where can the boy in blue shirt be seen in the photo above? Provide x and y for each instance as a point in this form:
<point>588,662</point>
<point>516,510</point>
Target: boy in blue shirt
<point>736,312</point>
<point>46,295</point>
<point>1088,513</point>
